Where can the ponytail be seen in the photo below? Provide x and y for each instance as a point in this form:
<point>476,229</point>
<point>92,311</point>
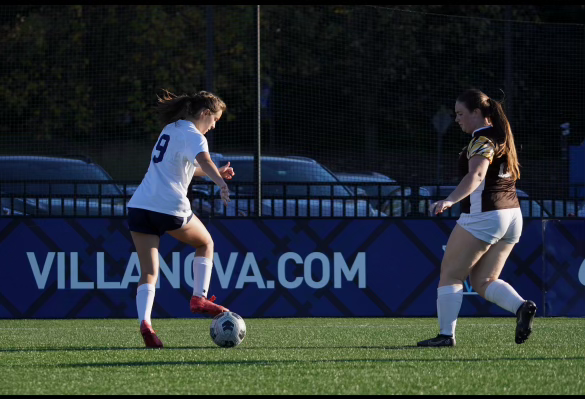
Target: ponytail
<point>171,108</point>
<point>501,124</point>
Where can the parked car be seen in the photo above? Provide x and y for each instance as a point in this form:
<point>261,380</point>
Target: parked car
<point>572,207</point>
<point>291,186</point>
<point>581,210</point>
<point>11,206</point>
<point>441,192</point>
<point>384,190</point>
<point>58,186</point>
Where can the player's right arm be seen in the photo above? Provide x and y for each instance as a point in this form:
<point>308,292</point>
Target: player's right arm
<point>209,168</point>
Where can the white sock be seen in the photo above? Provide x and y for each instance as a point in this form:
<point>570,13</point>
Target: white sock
<point>201,275</point>
<point>503,295</point>
<point>144,301</point>
<point>449,300</point>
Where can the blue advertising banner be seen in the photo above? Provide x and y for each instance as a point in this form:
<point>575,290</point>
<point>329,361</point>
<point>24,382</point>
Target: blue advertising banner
<point>564,255</point>
<point>87,268</point>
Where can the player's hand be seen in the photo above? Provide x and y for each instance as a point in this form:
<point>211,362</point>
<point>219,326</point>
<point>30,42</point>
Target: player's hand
<point>225,194</point>
<point>440,206</point>
<point>226,171</point>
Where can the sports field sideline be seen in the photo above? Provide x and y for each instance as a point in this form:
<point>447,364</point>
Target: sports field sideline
<point>291,356</point>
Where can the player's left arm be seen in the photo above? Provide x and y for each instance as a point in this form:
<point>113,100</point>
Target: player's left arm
<point>226,171</point>
<point>199,172</point>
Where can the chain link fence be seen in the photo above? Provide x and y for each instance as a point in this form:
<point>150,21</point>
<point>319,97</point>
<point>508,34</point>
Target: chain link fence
<point>352,114</point>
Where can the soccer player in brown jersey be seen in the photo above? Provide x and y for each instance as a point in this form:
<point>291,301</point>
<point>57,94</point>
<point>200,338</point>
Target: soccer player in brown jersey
<point>490,223</point>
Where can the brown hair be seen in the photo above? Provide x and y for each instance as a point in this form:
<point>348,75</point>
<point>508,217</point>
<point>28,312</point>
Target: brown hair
<point>492,109</point>
<point>171,108</point>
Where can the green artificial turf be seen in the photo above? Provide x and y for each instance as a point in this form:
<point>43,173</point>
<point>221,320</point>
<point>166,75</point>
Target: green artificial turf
<point>291,356</point>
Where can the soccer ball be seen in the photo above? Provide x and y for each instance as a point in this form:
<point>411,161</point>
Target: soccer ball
<point>227,329</point>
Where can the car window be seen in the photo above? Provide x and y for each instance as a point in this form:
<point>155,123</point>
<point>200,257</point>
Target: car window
<point>288,172</point>
<point>372,189</point>
<point>51,170</point>
<point>386,191</point>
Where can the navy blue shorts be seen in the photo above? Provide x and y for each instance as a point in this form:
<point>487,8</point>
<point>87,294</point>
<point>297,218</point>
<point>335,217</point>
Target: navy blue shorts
<point>150,222</point>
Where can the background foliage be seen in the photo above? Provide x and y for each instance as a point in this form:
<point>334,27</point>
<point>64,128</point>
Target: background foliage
<point>355,87</point>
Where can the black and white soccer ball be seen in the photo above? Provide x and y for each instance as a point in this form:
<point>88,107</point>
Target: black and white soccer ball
<point>228,329</point>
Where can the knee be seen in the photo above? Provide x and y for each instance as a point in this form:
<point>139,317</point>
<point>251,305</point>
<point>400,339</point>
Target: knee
<point>448,278</point>
<point>207,244</point>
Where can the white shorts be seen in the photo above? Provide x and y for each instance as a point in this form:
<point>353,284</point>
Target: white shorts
<point>493,226</point>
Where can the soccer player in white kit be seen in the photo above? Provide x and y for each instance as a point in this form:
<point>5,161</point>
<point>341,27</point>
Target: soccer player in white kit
<point>490,223</point>
<point>160,202</point>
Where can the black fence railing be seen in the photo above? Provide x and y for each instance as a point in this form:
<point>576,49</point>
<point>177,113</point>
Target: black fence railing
<point>91,198</point>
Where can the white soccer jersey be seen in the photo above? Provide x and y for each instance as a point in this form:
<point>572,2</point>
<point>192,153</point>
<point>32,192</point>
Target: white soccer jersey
<point>172,164</point>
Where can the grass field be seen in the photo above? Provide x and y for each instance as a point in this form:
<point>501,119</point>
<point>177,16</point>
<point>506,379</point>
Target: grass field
<point>291,356</point>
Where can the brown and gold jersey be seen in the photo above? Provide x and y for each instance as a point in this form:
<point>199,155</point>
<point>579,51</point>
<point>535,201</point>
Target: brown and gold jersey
<point>498,189</point>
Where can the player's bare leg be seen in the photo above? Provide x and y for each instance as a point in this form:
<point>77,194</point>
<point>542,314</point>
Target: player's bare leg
<point>462,252</point>
<point>147,251</point>
<point>484,280</point>
<point>195,234</point>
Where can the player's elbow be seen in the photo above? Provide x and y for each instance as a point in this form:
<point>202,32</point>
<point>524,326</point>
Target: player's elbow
<point>477,176</point>
<point>205,164</point>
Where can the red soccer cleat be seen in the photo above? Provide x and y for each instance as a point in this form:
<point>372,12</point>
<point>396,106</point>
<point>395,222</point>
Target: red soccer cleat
<point>201,305</point>
<point>150,338</point>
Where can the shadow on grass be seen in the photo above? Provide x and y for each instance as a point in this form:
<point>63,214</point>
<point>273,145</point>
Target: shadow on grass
<point>285,362</point>
<point>179,348</point>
